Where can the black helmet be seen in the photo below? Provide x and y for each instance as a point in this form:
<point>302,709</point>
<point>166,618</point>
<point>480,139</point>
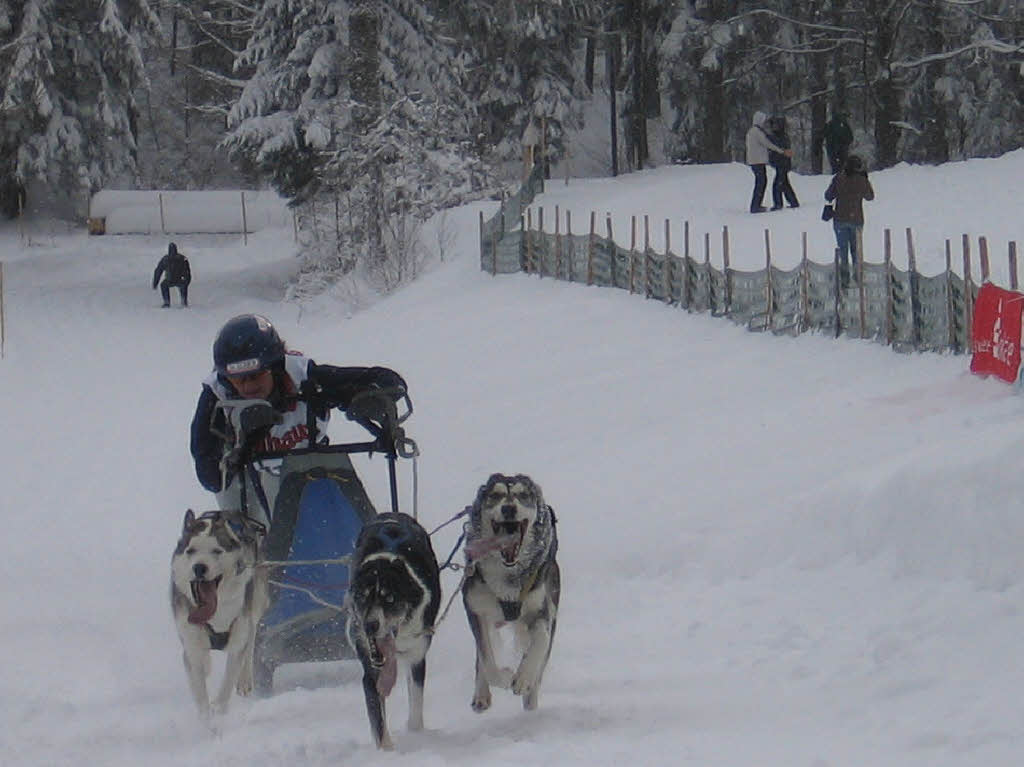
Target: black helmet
<point>245,344</point>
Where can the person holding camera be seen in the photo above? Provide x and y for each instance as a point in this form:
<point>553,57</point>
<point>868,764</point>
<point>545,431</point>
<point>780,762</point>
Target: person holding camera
<point>848,190</point>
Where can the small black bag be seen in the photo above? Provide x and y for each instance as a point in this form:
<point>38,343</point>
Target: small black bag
<point>828,212</point>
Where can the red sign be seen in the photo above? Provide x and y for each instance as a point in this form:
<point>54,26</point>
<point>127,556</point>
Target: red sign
<point>995,340</point>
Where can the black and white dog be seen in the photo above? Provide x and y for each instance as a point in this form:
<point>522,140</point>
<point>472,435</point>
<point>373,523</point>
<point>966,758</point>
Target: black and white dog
<point>394,596</point>
<point>218,596</point>
<point>514,579</point>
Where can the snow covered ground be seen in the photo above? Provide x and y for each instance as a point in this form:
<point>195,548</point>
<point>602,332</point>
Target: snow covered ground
<point>777,552</point>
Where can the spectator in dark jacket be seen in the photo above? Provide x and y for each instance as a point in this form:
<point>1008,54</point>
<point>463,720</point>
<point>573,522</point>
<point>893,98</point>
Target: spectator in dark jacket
<point>177,273</point>
<point>838,139</point>
<point>782,164</point>
<point>849,188</point>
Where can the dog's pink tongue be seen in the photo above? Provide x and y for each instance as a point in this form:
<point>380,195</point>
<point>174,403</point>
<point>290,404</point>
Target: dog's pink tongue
<point>389,672</point>
<point>480,547</point>
<point>206,591</point>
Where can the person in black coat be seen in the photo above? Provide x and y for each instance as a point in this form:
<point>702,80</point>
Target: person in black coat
<point>838,139</point>
<point>178,275</point>
<point>782,164</point>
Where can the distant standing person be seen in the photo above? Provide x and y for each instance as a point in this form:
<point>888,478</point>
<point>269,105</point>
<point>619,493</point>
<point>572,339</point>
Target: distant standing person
<point>177,273</point>
<point>849,188</point>
<point>758,146</point>
<point>782,164</point>
<point>838,139</point>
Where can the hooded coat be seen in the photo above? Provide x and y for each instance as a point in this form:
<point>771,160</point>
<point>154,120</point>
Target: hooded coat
<point>758,143</point>
<point>176,267</point>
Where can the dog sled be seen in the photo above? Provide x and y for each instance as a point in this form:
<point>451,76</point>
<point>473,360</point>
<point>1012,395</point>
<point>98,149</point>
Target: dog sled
<point>315,516</point>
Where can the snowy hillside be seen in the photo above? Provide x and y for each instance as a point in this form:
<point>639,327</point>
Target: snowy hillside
<point>783,552</point>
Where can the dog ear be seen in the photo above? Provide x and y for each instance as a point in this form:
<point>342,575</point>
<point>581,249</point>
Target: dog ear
<point>528,481</point>
<point>190,519</point>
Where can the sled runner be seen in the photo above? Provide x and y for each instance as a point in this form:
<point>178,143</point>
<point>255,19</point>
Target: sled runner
<point>315,517</point>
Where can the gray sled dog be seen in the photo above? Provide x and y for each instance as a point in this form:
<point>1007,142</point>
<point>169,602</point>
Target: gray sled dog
<point>514,579</point>
<point>218,596</point>
<point>393,602</point>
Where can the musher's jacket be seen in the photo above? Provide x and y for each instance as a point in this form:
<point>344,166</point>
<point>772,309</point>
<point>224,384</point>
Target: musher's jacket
<point>335,386</point>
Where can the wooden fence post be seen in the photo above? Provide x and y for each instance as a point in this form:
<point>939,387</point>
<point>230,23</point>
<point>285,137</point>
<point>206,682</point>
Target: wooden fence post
<point>768,319</point>
<point>647,257</point>
<point>614,249</point>
<point>950,308</point>
<point>632,253</point>
<point>666,274</point>
<point>494,252</point>
<point>570,249</point>
<point>890,303</point>
<point>968,291</point>
<point>915,297</point>
<point>160,199</point>
<point>494,256</point>
<point>524,247</point>
<point>542,239</point>
<point>727,271</point>
<point>1012,257</point>
<point>590,249</point>
<point>684,288</point>
<point>983,256</point>
<point>558,243</point>
<point>860,281</point>
<point>531,266</point>
<point>482,246</point>
<point>707,271</point>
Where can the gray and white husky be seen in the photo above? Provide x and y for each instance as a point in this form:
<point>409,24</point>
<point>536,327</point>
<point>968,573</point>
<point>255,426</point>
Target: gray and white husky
<point>218,596</point>
<point>513,579</point>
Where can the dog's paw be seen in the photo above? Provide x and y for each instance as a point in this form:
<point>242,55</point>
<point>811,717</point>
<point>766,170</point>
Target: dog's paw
<point>244,686</point>
<point>530,700</point>
<point>481,701</point>
<point>522,685</point>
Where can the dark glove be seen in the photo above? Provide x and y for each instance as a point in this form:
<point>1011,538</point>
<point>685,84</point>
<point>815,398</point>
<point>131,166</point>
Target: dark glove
<point>384,378</point>
<point>254,418</point>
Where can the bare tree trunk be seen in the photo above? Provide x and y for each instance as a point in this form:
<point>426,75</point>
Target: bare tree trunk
<point>819,99</point>
<point>885,94</point>
<point>364,44</point>
<point>638,113</point>
<point>716,124</point>
<point>588,63</point>
<point>934,140</point>
<point>613,107</point>
<point>839,104</point>
<point>174,39</point>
